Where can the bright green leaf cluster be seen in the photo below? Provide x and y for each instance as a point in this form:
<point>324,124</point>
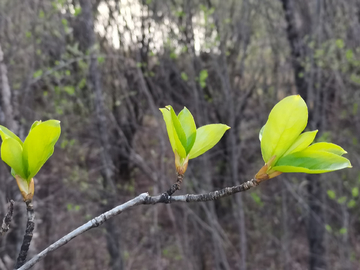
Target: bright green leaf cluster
<point>186,141</point>
<point>26,158</point>
<point>285,149</point>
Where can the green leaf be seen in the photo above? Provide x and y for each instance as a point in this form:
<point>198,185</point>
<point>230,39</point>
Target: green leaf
<point>256,198</point>
<point>328,228</point>
<point>188,124</point>
<point>286,121</point>
<point>184,76</point>
<point>355,192</point>
<point>41,14</point>
<point>70,90</point>
<point>101,59</point>
<point>351,203</point>
<point>77,11</point>
<point>12,155</point>
<point>202,78</point>
<point>342,200</point>
<point>343,231</point>
<point>303,141</point>
<point>349,55</point>
<point>37,73</point>
<point>327,147</point>
<point>355,78</point>
<point>82,83</point>
<point>339,43</point>
<point>6,133</point>
<point>206,138</point>
<point>331,194</point>
<point>173,137</point>
<point>35,124</point>
<point>64,22</point>
<point>39,145</point>
<point>309,161</point>
<point>177,125</point>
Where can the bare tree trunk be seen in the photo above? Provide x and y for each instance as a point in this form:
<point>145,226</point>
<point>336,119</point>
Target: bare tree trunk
<point>311,95</point>
<point>316,228</point>
<point>112,237</point>
<point>6,95</point>
<point>14,237</point>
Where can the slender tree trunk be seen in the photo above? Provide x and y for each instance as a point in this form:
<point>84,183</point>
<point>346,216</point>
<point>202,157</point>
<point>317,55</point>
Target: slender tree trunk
<point>316,230</point>
<point>5,95</point>
<point>15,236</point>
<point>88,44</point>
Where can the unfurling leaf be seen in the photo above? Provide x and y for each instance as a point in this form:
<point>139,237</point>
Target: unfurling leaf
<point>39,145</point>
<point>285,149</point>
<point>26,159</point>
<point>206,138</point>
<point>186,141</point>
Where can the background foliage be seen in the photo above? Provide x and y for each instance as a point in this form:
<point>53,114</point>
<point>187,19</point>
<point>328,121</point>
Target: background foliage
<point>104,67</point>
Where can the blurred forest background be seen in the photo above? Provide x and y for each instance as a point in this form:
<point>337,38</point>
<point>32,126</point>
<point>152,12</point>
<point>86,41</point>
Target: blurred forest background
<point>104,67</point>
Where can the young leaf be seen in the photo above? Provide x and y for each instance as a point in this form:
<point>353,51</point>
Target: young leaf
<point>286,121</point>
<point>35,124</point>
<point>206,137</point>
<point>6,133</point>
<point>303,141</point>
<point>355,192</point>
<point>11,154</point>
<point>327,147</point>
<point>173,137</point>
<point>188,124</point>
<point>312,162</point>
<point>331,194</point>
<point>178,128</point>
<point>39,145</point>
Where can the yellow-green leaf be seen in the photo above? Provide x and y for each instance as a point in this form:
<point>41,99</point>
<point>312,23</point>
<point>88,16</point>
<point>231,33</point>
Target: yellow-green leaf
<point>35,124</point>
<point>327,147</point>
<point>173,137</point>
<point>303,141</point>
<point>6,133</point>
<point>188,124</point>
<point>309,161</point>
<point>206,137</point>
<point>177,125</point>
<point>286,121</point>
<point>39,145</point>
<point>12,155</point>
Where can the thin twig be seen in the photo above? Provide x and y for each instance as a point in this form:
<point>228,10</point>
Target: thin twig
<point>28,235</point>
<point>143,198</point>
<point>165,197</point>
<point>7,219</point>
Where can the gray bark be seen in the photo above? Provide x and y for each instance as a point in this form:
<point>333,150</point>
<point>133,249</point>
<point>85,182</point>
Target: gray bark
<point>88,43</point>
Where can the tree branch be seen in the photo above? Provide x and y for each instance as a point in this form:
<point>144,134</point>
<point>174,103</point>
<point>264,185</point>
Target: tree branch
<point>28,235</point>
<point>143,198</point>
<point>7,219</point>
